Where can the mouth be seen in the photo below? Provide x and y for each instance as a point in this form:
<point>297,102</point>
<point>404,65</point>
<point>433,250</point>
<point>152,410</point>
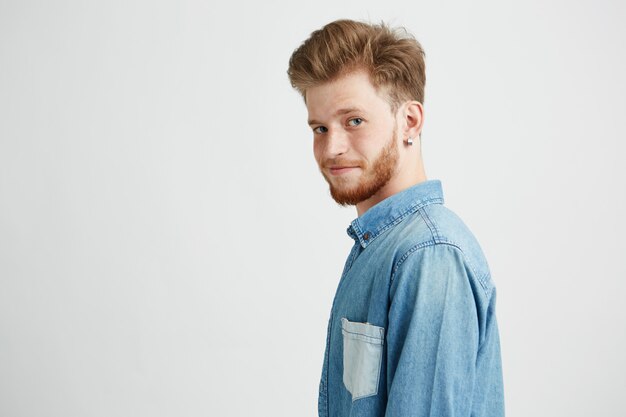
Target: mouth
<point>338,170</point>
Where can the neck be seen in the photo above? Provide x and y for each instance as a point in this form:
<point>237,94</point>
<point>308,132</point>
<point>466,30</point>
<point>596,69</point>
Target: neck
<point>394,186</point>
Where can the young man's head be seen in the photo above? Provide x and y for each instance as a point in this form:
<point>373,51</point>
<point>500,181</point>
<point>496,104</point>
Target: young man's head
<point>363,86</point>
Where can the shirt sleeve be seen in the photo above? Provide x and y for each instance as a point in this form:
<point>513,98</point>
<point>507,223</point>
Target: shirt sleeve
<point>433,334</point>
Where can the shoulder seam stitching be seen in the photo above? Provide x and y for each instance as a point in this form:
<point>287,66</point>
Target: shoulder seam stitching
<point>481,278</point>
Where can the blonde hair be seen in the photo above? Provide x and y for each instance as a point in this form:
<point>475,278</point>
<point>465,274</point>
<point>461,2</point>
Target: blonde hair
<point>393,58</point>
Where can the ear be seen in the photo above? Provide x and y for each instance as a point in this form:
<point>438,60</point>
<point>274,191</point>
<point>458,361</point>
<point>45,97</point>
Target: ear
<point>413,118</point>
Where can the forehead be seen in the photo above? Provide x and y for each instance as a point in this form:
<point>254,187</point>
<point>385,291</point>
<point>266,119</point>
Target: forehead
<point>354,90</point>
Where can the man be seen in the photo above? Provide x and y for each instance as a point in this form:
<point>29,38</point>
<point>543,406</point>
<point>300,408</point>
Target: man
<point>412,329</point>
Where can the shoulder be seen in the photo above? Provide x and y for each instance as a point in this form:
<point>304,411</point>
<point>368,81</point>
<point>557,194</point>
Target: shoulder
<point>437,235</point>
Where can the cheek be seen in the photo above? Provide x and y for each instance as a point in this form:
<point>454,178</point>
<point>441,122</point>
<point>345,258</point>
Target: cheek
<point>370,150</point>
<point>317,149</point>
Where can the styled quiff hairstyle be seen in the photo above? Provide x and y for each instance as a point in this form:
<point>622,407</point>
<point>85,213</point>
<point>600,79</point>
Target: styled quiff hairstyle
<point>393,58</point>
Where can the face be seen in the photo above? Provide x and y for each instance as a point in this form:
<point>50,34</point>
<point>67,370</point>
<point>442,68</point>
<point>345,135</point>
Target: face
<point>355,140</point>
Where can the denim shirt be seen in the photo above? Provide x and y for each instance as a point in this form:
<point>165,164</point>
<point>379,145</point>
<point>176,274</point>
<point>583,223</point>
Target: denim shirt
<point>412,329</point>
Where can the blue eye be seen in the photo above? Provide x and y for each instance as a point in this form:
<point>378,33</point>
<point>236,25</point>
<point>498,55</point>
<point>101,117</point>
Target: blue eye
<point>355,122</point>
<point>320,129</point>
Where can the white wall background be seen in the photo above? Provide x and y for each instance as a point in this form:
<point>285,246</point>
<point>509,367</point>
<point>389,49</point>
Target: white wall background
<point>168,247</point>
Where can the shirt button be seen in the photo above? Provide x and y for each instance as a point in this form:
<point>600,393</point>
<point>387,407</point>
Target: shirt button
<point>366,235</point>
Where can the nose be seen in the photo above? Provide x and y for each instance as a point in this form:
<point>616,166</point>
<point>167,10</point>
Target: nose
<point>336,143</point>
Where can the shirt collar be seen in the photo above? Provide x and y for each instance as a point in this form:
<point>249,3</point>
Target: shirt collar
<point>392,210</point>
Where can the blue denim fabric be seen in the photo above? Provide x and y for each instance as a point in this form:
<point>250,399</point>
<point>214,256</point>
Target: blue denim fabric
<point>412,329</point>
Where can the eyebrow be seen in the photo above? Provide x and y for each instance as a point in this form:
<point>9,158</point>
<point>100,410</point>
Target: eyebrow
<point>338,113</point>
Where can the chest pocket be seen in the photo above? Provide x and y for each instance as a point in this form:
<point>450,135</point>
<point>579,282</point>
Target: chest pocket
<point>362,357</point>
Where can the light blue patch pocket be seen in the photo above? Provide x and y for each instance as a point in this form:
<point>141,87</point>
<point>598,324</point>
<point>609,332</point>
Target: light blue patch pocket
<point>362,357</point>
